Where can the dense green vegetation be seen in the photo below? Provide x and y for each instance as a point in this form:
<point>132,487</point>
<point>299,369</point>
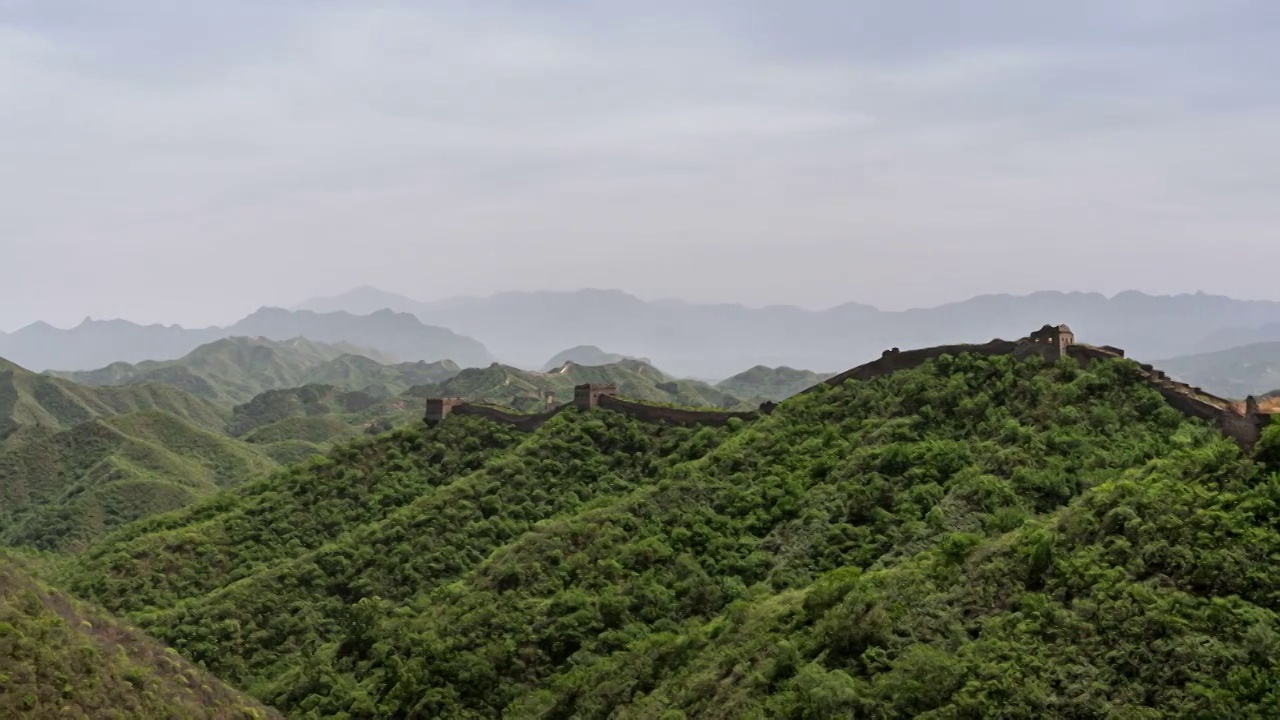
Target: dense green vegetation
<point>77,461</point>
<point>59,659</point>
<point>62,490</point>
<point>977,537</point>
<point>234,370</point>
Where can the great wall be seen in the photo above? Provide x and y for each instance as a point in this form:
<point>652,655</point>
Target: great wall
<point>1241,421</point>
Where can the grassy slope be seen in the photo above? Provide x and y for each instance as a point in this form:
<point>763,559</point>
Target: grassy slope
<point>975,534</point>
<point>59,658</point>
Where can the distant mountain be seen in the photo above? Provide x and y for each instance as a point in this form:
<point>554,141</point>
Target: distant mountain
<point>66,659</point>
<point>1235,373</point>
<point>704,340</point>
<point>585,355</point>
<point>99,343</point>
<point>770,383</point>
<point>1239,336</point>
<point>233,370</point>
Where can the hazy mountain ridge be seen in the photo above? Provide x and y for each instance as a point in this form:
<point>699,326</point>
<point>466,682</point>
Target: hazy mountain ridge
<point>1237,372</point>
<point>100,343</point>
<point>716,340</point>
<point>234,370</point>
<point>587,355</point>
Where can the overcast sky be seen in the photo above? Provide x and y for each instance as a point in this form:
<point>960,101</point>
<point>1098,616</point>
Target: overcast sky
<point>189,162</point>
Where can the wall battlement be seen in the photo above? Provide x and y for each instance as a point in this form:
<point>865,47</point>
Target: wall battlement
<point>589,397</point>
<point>1243,422</point>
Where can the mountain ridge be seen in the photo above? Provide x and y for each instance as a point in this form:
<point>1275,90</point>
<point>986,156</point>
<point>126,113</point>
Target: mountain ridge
<point>98,343</point>
<point>695,339</point>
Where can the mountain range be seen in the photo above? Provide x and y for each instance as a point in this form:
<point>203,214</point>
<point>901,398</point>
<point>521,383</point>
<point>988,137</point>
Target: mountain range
<point>100,343</point>
<point>82,453</point>
<point>716,340</point>
<point>233,370</point>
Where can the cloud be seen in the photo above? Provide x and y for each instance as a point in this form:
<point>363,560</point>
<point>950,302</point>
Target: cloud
<point>189,165</point>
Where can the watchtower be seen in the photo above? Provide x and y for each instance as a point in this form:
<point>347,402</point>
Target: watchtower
<point>439,408</point>
<point>1057,337</point>
<point>586,397</point>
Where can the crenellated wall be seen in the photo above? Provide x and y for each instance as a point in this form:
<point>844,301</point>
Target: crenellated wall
<point>1241,422</point>
<point>528,423</point>
<point>590,397</point>
<point>672,415</point>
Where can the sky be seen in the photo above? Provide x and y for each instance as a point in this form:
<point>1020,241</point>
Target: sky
<point>191,162</point>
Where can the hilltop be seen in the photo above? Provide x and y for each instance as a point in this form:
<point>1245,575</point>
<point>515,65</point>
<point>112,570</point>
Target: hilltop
<point>969,535</point>
<point>233,370</point>
<point>717,340</point>
<point>100,343</point>
<point>770,383</point>
<point>586,355</point>
<point>62,658</point>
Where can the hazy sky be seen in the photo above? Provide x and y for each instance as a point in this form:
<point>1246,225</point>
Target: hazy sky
<point>189,162</point>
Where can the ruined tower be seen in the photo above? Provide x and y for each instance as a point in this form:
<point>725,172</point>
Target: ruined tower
<point>586,397</point>
<point>438,408</point>
<point>1057,338</point>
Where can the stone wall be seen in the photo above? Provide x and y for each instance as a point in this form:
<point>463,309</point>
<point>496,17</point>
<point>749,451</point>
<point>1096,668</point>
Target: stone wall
<point>528,423</point>
<point>671,415</point>
<point>589,397</point>
<point>1243,423</point>
<point>893,360</point>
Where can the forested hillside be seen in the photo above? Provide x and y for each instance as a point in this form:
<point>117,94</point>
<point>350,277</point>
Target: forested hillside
<point>978,536</point>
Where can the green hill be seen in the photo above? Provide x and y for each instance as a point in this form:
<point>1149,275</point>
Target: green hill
<point>59,658</point>
<point>770,383</point>
<point>976,537</point>
<point>61,490</point>
<point>31,400</point>
<point>1235,373</point>
<point>234,370</point>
